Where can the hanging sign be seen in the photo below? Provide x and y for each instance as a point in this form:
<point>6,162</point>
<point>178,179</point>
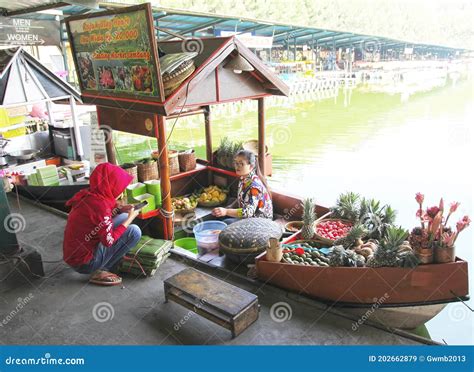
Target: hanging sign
<point>115,53</point>
<point>23,31</point>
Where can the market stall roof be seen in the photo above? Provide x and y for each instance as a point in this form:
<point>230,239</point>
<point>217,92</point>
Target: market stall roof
<point>23,79</point>
<point>200,24</point>
<point>212,82</point>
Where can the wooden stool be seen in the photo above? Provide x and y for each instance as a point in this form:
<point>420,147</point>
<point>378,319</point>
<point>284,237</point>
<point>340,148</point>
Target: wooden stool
<point>220,302</point>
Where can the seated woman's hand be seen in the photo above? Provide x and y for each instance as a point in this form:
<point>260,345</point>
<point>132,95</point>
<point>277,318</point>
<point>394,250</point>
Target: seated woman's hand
<point>219,212</point>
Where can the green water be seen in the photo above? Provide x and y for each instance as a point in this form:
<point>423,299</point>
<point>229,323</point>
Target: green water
<point>375,144</point>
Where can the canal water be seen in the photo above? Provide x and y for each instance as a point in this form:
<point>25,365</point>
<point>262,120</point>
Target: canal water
<point>385,146</point>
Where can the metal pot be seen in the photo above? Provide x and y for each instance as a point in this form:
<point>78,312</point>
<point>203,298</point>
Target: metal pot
<point>24,154</point>
<point>444,254</point>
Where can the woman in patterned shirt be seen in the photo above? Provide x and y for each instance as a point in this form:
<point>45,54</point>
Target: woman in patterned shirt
<point>253,197</point>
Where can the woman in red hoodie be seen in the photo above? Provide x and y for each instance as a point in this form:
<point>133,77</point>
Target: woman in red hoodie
<point>96,236</point>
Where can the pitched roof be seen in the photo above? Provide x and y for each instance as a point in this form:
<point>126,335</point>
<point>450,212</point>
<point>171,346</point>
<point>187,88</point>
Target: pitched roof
<point>211,82</point>
<point>23,79</point>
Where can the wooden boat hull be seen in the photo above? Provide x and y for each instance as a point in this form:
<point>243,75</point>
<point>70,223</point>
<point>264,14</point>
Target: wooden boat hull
<point>403,317</point>
<point>355,286</point>
<point>53,196</point>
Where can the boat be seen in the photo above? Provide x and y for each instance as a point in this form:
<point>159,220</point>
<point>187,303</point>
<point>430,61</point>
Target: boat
<point>401,297</point>
<point>418,293</point>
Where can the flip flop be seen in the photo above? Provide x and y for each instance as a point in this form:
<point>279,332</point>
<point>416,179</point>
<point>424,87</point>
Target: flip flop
<point>101,277</point>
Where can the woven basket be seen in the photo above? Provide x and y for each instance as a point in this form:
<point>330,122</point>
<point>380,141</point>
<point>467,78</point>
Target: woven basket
<point>131,169</point>
<point>248,237</point>
<point>323,239</point>
<point>173,162</point>
<point>148,171</point>
<point>187,161</point>
<point>173,83</point>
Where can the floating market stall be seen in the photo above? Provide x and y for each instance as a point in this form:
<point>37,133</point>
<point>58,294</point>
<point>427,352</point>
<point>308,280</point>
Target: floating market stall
<point>352,255</point>
<point>139,84</point>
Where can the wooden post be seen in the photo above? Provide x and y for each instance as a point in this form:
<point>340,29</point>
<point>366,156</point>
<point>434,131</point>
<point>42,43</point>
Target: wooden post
<point>261,135</point>
<point>209,157</point>
<point>165,183</point>
<point>77,132</point>
<point>207,124</point>
<point>109,142</point>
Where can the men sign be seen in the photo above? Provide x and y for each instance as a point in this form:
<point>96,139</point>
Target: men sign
<point>23,31</point>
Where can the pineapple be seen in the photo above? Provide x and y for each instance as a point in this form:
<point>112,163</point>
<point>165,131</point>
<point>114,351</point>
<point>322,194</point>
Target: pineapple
<point>347,207</point>
<point>376,218</point>
<point>388,250</point>
<point>337,257</point>
<point>408,259</point>
<point>351,258</point>
<point>342,257</point>
<point>309,217</point>
<point>360,260</point>
<point>354,236</point>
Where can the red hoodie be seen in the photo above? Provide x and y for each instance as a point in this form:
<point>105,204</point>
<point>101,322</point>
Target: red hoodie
<point>90,219</point>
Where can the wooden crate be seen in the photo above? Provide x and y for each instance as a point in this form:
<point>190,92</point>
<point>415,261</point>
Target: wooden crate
<point>218,301</point>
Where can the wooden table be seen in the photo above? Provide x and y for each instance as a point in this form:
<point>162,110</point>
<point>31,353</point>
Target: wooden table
<point>220,302</point>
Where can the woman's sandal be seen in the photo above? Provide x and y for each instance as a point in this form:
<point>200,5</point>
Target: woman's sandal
<point>101,277</point>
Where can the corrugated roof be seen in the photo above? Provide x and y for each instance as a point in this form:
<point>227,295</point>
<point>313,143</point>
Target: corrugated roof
<point>197,24</point>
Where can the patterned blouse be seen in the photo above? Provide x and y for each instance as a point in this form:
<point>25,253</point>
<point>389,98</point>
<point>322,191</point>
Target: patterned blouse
<point>254,198</point>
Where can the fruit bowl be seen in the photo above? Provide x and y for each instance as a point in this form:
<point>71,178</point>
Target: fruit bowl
<point>294,226</point>
<point>212,196</point>
<point>184,204</point>
<point>329,230</point>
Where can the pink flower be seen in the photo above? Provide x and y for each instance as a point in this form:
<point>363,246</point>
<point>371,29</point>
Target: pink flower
<point>432,212</point>
<point>436,223</point>
<point>441,205</point>
<point>463,223</point>
<point>454,206</point>
<point>419,198</point>
<point>448,239</point>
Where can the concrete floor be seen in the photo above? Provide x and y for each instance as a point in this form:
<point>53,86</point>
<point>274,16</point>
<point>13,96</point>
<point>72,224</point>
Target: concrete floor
<point>60,307</point>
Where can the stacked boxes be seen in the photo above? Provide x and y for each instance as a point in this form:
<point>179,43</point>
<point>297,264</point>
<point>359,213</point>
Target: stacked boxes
<point>44,176</point>
<point>153,187</point>
<point>150,199</point>
<point>137,193</point>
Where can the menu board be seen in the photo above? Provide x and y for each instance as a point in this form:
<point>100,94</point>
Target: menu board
<point>115,53</point>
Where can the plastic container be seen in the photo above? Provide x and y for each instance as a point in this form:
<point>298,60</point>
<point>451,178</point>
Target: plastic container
<point>207,234</point>
<point>189,244</point>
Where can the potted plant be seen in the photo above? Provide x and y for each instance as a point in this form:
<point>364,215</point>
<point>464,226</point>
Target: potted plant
<point>434,240</point>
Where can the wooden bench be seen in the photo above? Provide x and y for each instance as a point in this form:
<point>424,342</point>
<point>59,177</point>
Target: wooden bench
<point>220,302</point>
